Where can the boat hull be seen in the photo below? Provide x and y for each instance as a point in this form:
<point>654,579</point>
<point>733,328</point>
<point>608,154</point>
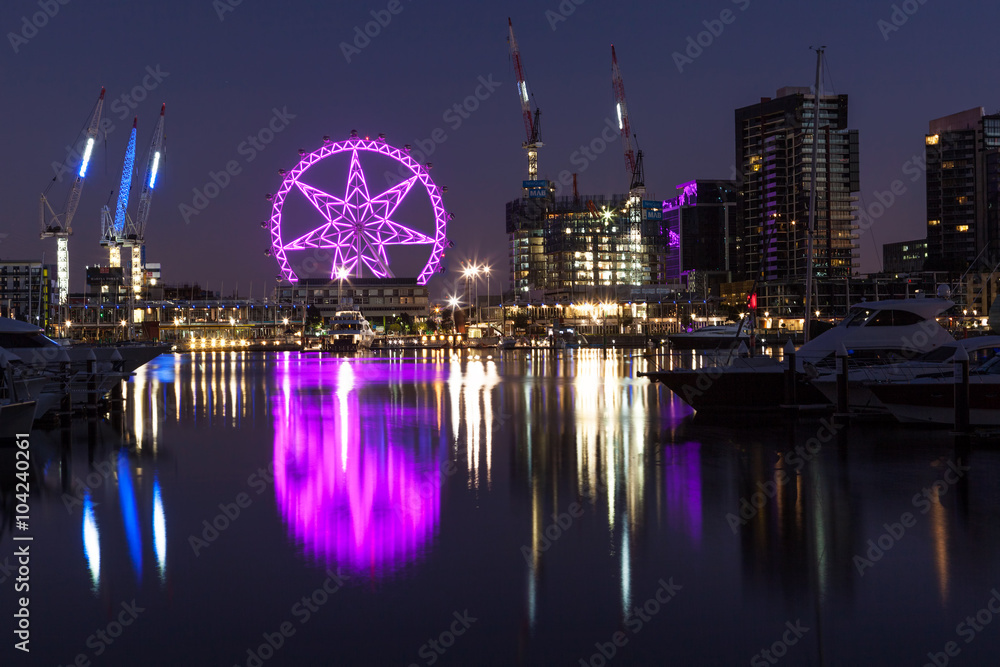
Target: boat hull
<point>934,402</point>
<point>16,418</point>
<point>725,389</point>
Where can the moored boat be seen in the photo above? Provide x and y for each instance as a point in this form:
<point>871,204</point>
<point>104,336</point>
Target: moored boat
<point>897,329</point>
<point>932,400</point>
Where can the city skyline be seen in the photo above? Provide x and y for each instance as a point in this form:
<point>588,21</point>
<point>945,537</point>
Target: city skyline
<point>228,72</point>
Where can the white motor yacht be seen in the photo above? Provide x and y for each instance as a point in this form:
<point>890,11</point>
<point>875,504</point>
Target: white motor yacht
<point>350,330</point>
<point>892,330</point>
<point>936,363</point>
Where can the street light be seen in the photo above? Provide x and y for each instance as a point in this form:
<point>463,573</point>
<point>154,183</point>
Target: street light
<point>342,274</point>
<point>486,270</point>
<point>453,302</point>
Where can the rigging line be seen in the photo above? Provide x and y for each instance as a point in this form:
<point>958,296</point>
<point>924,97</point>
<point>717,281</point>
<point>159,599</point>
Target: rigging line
<point>871,232</point>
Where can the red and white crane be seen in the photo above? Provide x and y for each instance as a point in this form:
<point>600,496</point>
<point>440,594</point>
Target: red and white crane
<point>633,159</point>
<point>60,225</point>
<point>135,231</point>
<point>531,124</point>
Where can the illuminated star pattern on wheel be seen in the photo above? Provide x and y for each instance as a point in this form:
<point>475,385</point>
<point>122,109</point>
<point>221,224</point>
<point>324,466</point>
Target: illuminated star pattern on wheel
<point>356,226</point>
<point>359,226</point>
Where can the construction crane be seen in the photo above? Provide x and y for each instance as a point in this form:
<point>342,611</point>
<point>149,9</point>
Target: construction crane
<point>135,232</point>
<point>59,225</point>
<point>633,160</point>
<point>532,125</point>
<point>113,228</point>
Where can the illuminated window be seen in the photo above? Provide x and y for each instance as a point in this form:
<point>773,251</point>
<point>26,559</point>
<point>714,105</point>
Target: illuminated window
<point>962,200</point>
<point>962,228</point>
<point>949,164</point>
<point>933,223</point>
<point>932,139</point>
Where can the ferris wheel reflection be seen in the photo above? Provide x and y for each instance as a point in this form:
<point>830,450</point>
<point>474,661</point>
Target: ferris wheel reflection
<point>349,489</point>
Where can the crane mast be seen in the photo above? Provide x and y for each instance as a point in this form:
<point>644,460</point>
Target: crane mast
<point>59,225</point>
<point>531,124</point>
<point>113,229</point>
<point>135,233</point>
<point>633,160</point>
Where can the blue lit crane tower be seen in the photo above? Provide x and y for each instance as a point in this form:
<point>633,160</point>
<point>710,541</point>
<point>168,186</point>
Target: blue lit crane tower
<point>59,226</point>
<point>113,228</point>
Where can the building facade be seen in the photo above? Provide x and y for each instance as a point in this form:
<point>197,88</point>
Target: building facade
<point>28,291</point>
<point>774,153</point>
<point>701,221</point>
<point>963,190</point>
<point>378,299</point>
<point>581,243</point>
<point>904,256</point>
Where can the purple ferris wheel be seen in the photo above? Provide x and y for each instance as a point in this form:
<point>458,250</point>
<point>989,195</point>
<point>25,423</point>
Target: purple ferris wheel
<point>357,226</point>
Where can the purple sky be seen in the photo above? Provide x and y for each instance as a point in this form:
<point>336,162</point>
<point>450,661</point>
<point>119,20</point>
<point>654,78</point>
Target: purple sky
<point>222,78</point>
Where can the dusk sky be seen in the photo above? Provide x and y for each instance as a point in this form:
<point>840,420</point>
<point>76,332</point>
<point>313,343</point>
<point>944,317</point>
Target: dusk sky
<point>225,68</point>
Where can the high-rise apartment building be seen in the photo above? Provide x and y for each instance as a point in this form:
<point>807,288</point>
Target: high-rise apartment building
<point>702,221</point>
<point>963,190</point>
<point>774,152</point>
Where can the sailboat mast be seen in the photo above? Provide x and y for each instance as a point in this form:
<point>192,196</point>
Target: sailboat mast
<point>812,196</point>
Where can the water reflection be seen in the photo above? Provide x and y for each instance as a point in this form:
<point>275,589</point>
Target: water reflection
<point>91,542</point>
<point>350,484</point>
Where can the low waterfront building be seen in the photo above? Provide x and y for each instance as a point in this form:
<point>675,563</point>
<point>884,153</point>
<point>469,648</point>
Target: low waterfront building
<point>380,300</point>
<point>27,291</point>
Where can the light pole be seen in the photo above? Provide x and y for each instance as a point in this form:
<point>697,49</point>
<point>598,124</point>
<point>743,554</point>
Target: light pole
<point>469,272</point>
<point>486,270</point>
<point>453,302</point>
<point>341,276</point>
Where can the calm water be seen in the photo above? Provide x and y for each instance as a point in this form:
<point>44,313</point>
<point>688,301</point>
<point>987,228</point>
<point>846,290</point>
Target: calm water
<point>515,510</point>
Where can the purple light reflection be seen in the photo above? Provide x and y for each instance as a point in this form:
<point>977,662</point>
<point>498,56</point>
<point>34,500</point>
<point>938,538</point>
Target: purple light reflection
<point>682,466</point>
<point>348,490</point>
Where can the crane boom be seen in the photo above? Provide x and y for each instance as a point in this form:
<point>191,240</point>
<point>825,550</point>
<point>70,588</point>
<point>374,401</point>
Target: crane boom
<point>137,230</point>
<point>112,229</point>
<point>135,235</point>
<point>60,226</point>
<point>522,85</point>
<point>532,125</point>
<point>633,162</point>
<point>73,201</point>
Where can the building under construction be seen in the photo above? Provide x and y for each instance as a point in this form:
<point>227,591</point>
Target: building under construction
<point>577,244</point>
